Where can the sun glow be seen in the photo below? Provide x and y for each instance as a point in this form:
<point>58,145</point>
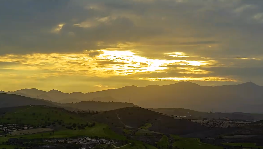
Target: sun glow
<point>105,63</point>
<point>176,54</point>
<point>133,63</point>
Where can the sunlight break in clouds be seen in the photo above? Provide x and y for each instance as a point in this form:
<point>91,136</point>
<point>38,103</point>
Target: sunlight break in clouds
<point>176,54</point>
<point>102,63</point>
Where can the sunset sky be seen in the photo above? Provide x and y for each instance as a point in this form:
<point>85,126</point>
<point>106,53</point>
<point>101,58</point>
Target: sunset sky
<point>90,45</point>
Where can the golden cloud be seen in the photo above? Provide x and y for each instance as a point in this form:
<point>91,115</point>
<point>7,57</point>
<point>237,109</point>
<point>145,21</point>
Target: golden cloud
<point>106,63</point>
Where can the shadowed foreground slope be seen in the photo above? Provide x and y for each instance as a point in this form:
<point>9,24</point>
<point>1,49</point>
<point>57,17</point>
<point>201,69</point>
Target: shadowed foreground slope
<point>136,117</point>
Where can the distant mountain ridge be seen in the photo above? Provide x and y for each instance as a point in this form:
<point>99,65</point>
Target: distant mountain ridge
<point>12,100</point>
<point>7,100</point>
<point>58,96</point>
<point>244,97</point>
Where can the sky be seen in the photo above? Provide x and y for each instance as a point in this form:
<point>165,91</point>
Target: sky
<point>91,45</point>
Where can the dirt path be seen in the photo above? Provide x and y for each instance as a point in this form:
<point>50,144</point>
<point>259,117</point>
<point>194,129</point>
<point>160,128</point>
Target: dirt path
<point>123,146</point>
<point>127,126</point>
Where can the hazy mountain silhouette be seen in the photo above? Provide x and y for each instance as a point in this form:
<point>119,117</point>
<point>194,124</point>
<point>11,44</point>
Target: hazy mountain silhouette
<point>227,98</point>
<point>7,100</point>
<point>58,96</point>
<point>12,100</point>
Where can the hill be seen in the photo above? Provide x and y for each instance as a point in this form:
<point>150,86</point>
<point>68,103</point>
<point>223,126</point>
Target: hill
<point>228,98</point>
<point>32,126</point>
<point>97,105</point>
<point>191,114</point>
<point>39,123</point>
<point>11,100</point>
<point>58,96</point>
<point>7,100</point>
<point>39,116</point>
<point>135,117</point>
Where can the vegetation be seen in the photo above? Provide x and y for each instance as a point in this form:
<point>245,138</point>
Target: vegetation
<point>137,145</point>
<point>146,126</point>
<point>7,147</point>
<point>45,116</point>
<point>191,143</point>
<point>99,130</point>
<point>144,130</point>
<point>163,143</point>
<point>55,123</point>
<point>41,115</point>
<point>245,145</point>
<point>127,131</point>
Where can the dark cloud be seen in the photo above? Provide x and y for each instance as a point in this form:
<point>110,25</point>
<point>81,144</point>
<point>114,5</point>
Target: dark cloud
<point>4,64</point>
<point>241,72</point>
<point>220,30</point>
<point>234,26</point>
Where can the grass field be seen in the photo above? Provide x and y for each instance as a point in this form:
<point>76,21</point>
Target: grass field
<point>31,131</point>
<point>3,139</point>
<point>127,131</point>
<point>132,145</point>
<point>2,146</point>
<point>146,126</point>
<point>99,130</point>
<point>7,147</point>
<point>137,145</point>
<point>192,143</point>
<point>144,130</point>
<point>163,143</point>
<point>248,145</point>
<point>40,115</point>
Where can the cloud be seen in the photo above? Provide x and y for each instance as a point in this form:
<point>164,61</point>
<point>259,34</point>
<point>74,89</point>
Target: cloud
<point>177,24</point>
<point>238,72</point>
<point>58,28</point>
<point>227,35</point>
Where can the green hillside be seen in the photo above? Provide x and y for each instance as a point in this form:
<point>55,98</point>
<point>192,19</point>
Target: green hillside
<point>66,126</point>
<point>138,133</point>
<point>192,143</point>
<point>41,115</point>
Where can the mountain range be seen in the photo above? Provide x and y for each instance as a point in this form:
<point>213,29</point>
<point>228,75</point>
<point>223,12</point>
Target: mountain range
<point>246,97</point>
<point>12,100</point>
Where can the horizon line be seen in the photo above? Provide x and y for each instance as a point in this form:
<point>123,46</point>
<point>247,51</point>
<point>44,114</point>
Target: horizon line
<point>128,86</point>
